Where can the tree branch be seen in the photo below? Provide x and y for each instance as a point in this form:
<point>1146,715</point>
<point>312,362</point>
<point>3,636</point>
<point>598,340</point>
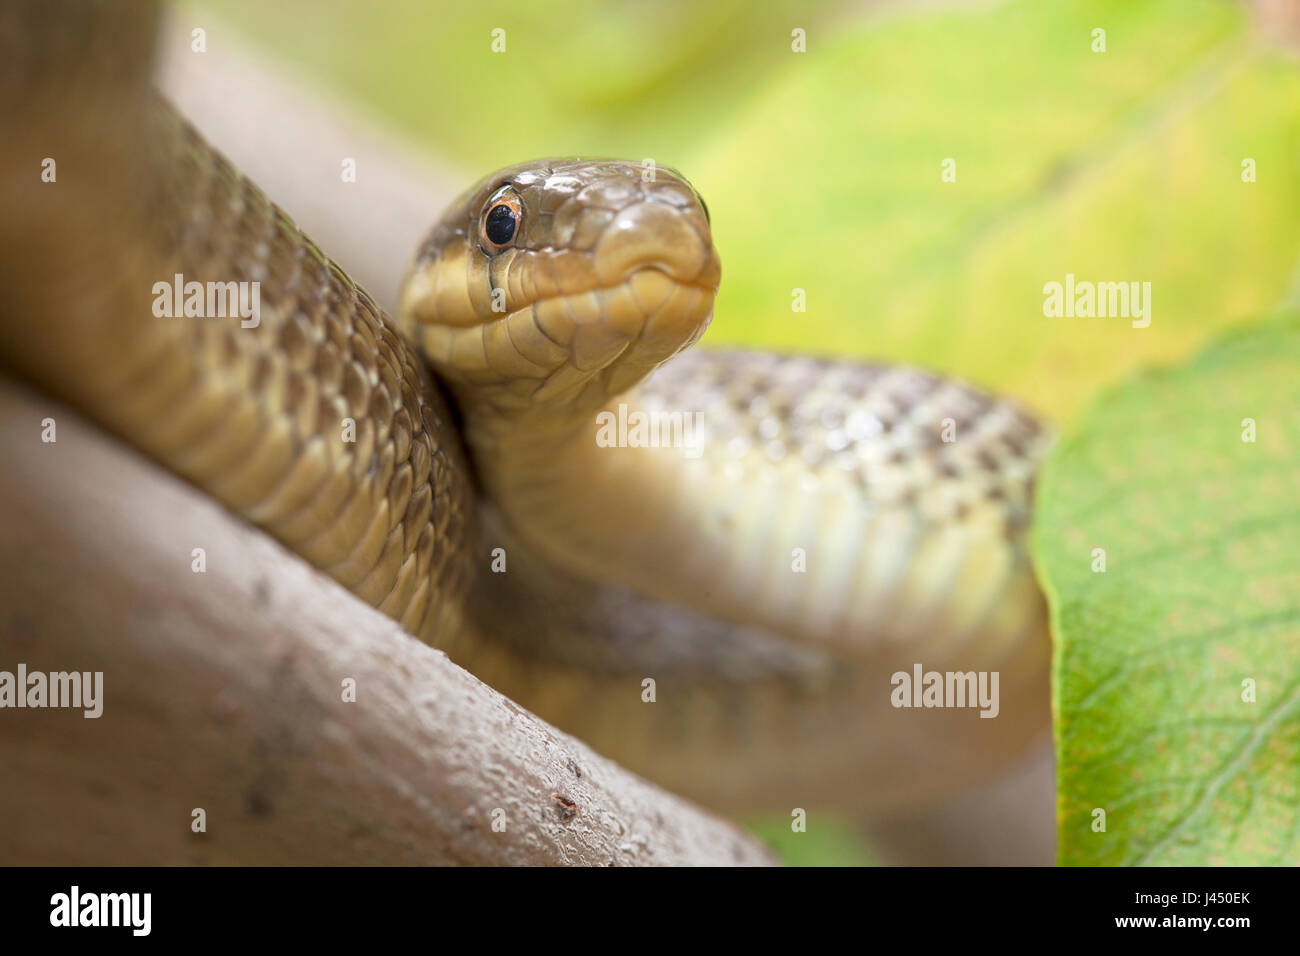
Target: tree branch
<point>224,691</point>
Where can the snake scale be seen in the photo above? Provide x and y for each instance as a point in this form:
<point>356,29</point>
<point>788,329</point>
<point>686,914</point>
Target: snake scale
<point>825,535</point>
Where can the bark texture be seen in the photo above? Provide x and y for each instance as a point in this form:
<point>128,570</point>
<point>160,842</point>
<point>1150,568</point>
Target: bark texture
<point>224,691</point>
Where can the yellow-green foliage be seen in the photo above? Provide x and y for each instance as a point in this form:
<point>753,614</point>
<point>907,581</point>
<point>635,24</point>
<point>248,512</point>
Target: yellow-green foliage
<point>1176,682</point>
<point>822,169</point>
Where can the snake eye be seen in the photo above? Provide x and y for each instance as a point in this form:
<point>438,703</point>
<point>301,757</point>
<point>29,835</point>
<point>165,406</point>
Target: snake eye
<point>501,218</point>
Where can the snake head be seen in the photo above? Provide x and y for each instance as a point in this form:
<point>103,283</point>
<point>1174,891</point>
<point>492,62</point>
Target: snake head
<point>561,283</point>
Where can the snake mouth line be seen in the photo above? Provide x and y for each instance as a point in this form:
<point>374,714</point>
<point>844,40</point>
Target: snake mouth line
<point>553,345</point>
<point>622,331</point>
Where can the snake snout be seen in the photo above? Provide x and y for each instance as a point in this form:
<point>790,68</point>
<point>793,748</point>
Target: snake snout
<point>671,239</point>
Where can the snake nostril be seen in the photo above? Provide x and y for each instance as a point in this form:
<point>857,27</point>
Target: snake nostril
<point>650,235</point>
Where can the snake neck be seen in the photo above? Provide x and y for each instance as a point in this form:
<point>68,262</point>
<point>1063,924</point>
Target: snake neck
<point>794,516</point>
<point>598,489</point>
<point>627,493</point>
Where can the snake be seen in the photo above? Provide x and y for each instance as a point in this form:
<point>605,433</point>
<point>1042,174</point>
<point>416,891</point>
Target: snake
<point>721,614</point>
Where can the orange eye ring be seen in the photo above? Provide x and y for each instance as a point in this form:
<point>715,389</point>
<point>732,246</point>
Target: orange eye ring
<point>502,216</point>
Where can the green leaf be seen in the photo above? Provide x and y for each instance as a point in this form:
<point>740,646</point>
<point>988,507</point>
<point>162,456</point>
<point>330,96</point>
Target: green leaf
<point>1199,602</point>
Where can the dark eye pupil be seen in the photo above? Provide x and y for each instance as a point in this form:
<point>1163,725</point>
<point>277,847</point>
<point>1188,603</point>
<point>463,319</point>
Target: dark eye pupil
<point>500,225</point>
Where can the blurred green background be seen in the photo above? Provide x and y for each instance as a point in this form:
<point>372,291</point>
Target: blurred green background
<point>822,170</point>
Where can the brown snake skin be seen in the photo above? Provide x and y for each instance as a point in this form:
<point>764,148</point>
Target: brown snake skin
<point>257,417</point>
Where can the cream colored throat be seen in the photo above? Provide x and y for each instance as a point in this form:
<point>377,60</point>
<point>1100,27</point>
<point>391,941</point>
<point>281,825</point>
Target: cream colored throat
<point>618,493</point>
